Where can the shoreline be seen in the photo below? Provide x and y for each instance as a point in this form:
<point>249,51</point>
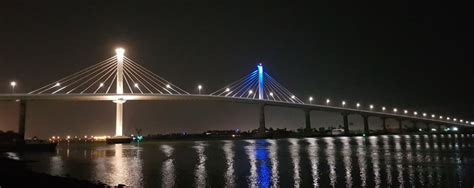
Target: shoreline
<point>16,173</point>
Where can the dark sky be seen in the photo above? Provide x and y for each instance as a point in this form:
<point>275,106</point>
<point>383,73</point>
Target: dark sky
<point>405,55</point>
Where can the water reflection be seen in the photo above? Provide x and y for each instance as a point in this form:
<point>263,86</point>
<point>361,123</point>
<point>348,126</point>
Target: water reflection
<point>314,160</point>
<point>229,156</point>
<point>167,169</point>
<point>347,158</point>
<point>331,158</point>
<point>200,174</point>
<point>375,161</point>
<point>295,159</point>
<point>274,160</point>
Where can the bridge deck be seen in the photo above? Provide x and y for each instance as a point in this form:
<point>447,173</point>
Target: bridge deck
<point>144,97</point>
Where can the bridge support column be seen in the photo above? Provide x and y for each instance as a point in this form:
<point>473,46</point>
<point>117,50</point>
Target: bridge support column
<point>307,117</point>
<point>384,124</point>
<point>22,120</point>
<point>261,127</point>
<point>400,126</point>
<point>119,120</point>
<point>428,127</point>
<point>366,125</point>
<point>345,117</point>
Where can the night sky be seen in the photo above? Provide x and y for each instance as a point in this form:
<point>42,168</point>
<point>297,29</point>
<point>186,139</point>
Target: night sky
<point>405,55</point>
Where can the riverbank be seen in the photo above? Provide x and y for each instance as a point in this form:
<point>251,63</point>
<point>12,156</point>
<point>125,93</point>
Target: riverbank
<point>16,173</point>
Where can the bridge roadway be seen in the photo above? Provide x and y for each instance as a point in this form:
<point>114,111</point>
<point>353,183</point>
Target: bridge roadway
<point>262,103</point>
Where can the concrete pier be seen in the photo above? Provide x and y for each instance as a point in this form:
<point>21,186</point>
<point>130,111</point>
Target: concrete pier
<point>22,120</point>
<point>307,117</point>
<point>345,117</point>
<point>366,124</point>
<point>261,127</point>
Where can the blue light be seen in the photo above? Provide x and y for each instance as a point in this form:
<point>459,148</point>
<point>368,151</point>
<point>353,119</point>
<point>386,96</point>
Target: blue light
<point>260,81</point>
<point>264,173</point>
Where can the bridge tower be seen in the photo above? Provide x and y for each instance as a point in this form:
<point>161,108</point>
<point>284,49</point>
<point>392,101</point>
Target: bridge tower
<point>261,127</point>
<point>119,109</point>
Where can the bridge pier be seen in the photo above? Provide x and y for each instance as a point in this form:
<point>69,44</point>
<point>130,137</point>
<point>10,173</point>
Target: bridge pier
<point>384,124</point>
<point>400,125</point>
<point>261,128</point>
<point>345,117</point>
<point>22,120</point>
<point>366,125</point>
<point>307,115</point>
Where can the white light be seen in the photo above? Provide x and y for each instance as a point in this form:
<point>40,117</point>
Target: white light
<point>405,111</point>
<point>424,114</point>
<point>358,105</point>
<point>250,92</point>
<point>371,106</point>
<point>433,116</point>
<point>343,103</point>
<point>433,129</point>
<point>68,137</point>
<point>13,84</point>
<point>199,87</point>
<point>328,101</point>
<point>227,89</point>
<point>472,123</point>
<point>119,51</point>
<point>467,122</point>
<point>455,119</point>
<point>310,99</point>
<point>415,113</point>
<point>168,86</point>
<point>101,85</point>
<point>271,94</point>
<point>383,108</point>
<point>57,84</point>
<point>395,110</point>
<point>136,85</point>
<point>293,97</point>
<point>448,118</point>
<point>461,120</point>
<point>440,117</point>
<point>455,129</point>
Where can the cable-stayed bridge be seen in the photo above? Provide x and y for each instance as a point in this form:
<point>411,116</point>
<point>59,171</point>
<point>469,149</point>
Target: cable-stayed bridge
<point>120,79</point>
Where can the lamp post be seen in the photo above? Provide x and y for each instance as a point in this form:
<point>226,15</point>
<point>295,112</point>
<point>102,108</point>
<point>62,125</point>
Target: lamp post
<point>199,88</point>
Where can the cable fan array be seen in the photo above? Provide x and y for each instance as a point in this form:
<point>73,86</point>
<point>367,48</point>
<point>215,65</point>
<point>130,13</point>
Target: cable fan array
<point>101,78</point>
<point>248,87</point>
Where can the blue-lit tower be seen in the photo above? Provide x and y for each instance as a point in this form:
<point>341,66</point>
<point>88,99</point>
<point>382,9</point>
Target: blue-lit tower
<point>260,81</point>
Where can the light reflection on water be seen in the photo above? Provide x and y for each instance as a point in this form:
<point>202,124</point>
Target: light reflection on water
<point>375,161</point>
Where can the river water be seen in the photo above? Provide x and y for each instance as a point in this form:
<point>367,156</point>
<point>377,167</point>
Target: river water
<point>376,161</point>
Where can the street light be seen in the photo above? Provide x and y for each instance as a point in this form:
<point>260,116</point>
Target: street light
<point>310,100</point>
<point>13,84</point>
<point>250,92</point>
<point>343,103</point>
<point>101,85</point>
<point>168,86</point>
<point>135,85</point>
<point>371,107</point>
<point>424,114</point>
<point>448,118</point>
<point>328,101</point>
<point>199,88</point>
<point>395,110</point>
<point>383,108</point>
<point>405,111</point>
<point>440,117</point>
<point>433,116</point>
<point>271,94</point>
<point>293,97</point>
<point>57,84</point>
<point>358,105</point>
<point>227,89</point>
<point>415,113</point>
